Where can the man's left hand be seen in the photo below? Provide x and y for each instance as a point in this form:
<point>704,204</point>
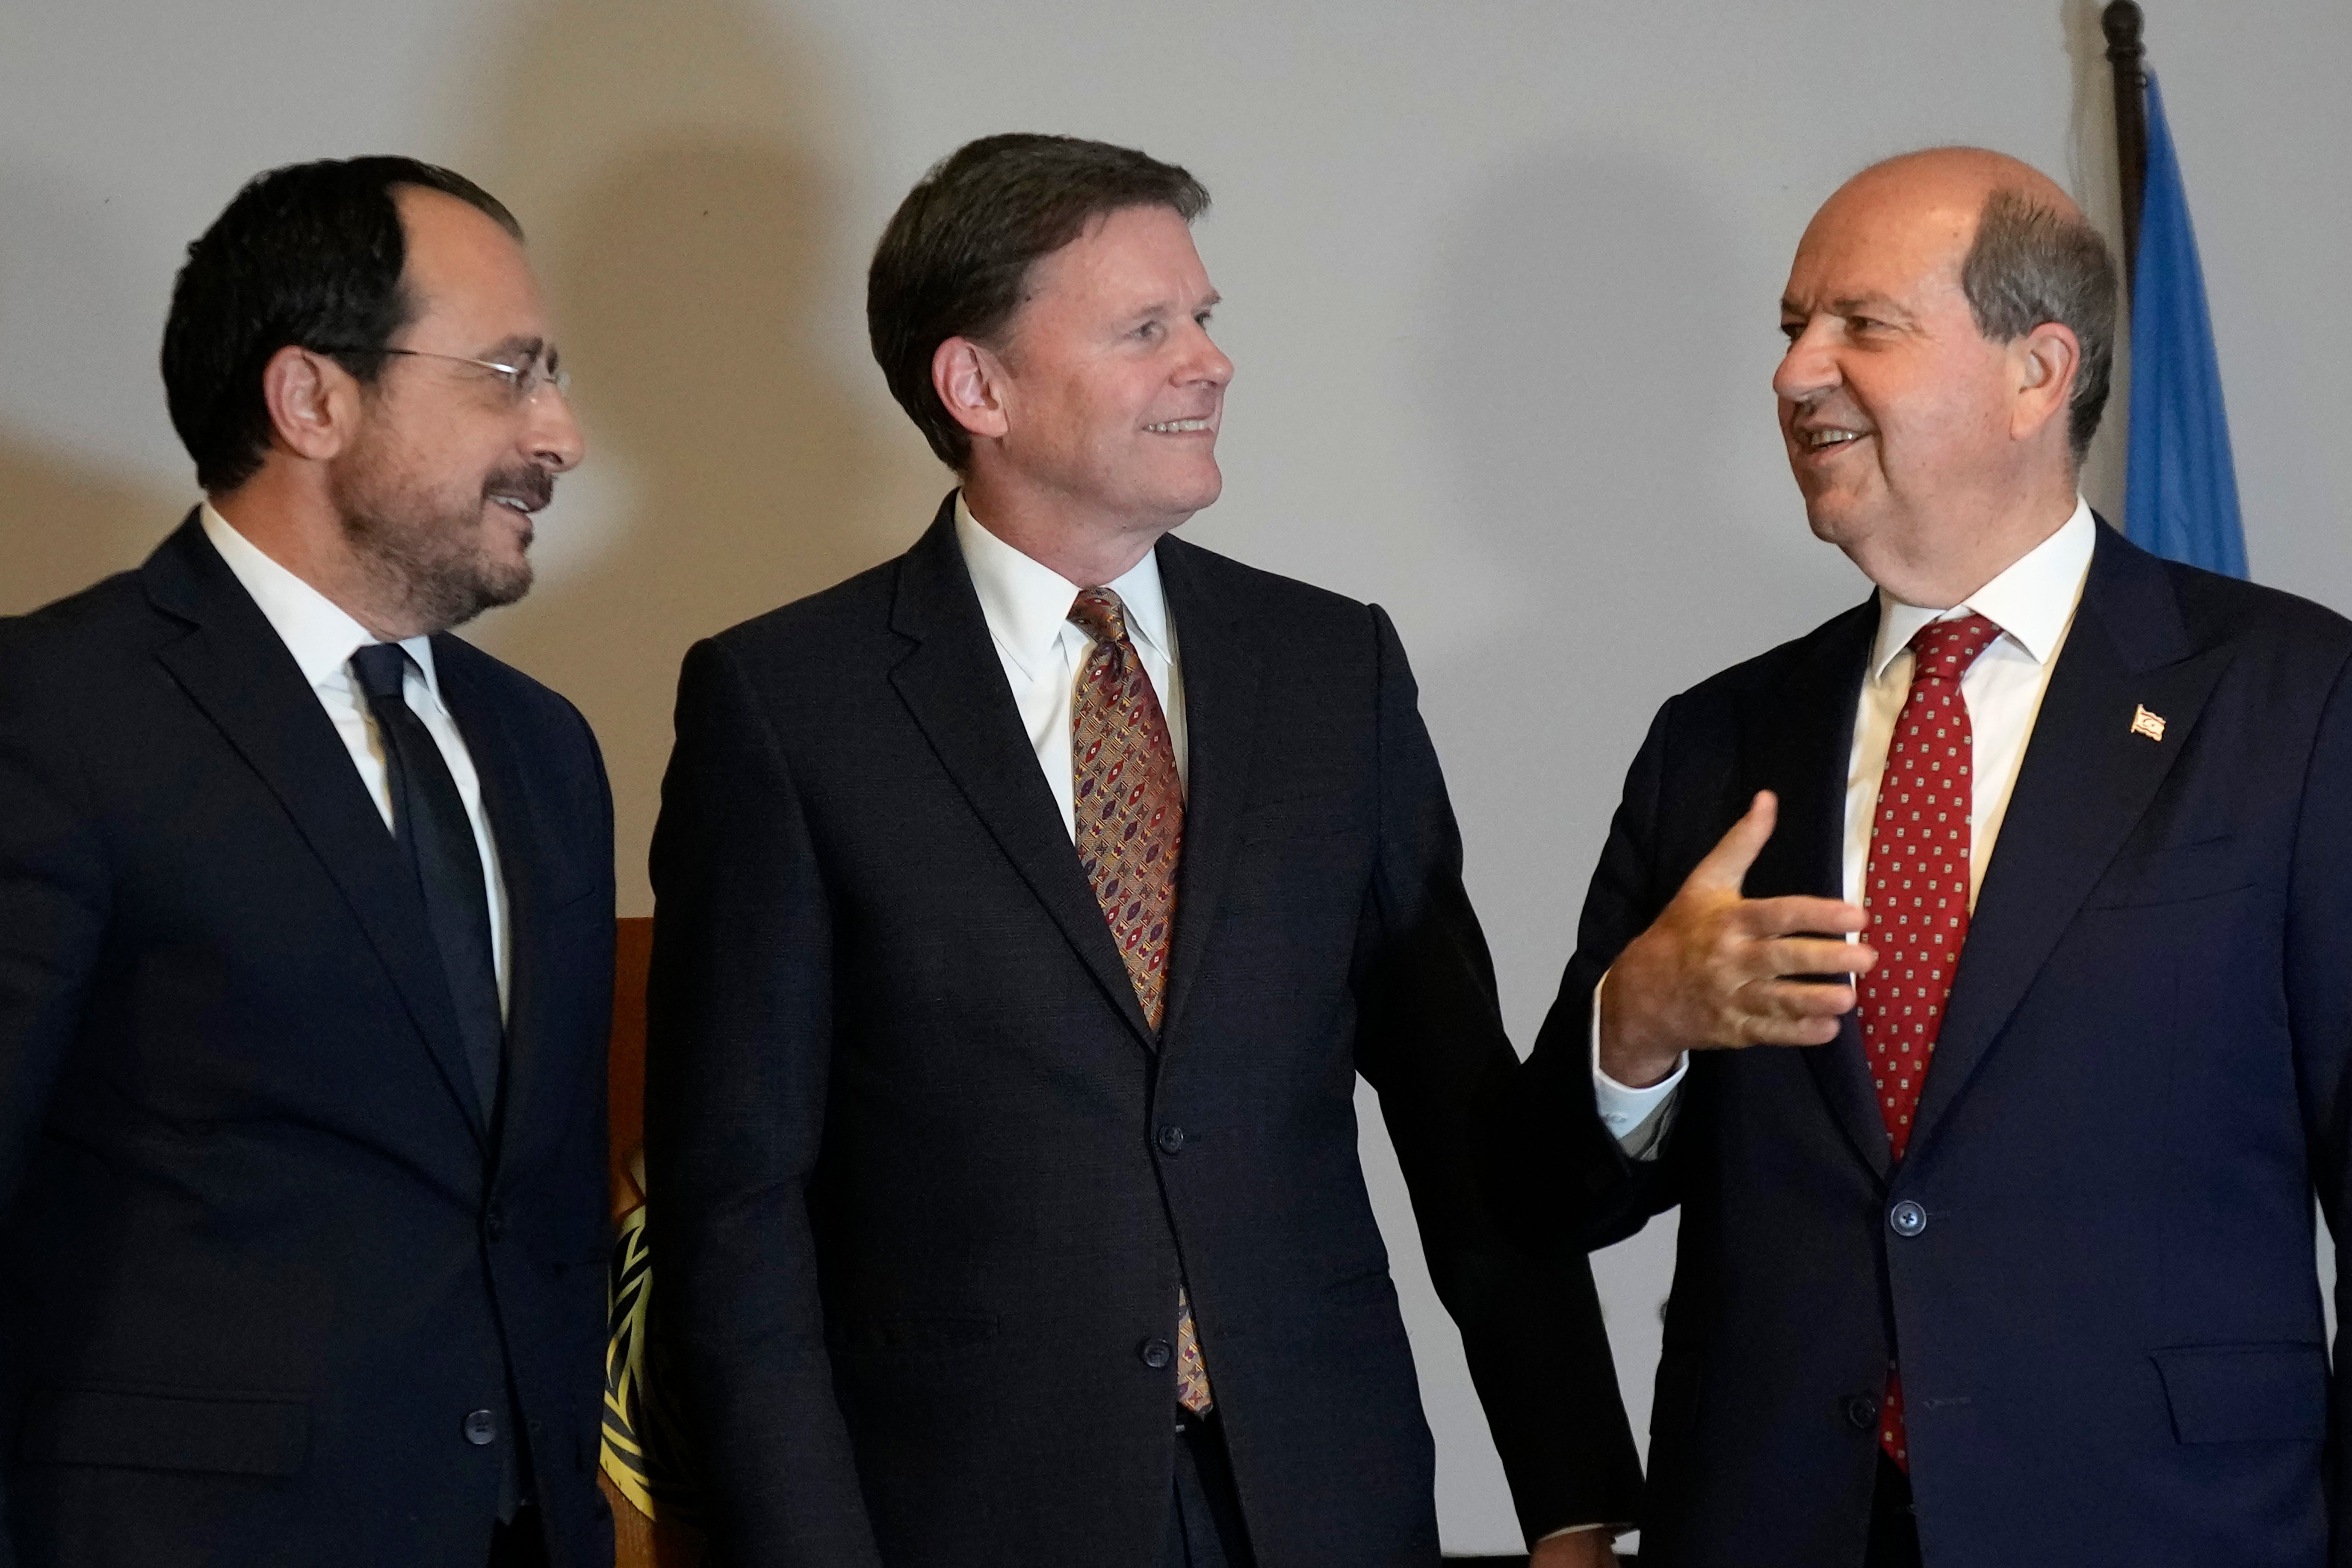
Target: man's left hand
<point>1585,1549</point>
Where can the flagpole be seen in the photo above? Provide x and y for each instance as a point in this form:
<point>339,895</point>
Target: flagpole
<point>2122,22</point>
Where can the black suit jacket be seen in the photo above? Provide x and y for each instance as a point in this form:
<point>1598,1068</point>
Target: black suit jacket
<point>2109,1329</point>
<point>262,1254</point>
<point>923,1178</point>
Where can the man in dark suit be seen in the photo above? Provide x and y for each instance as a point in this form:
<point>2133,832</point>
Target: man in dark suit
<point>306,927</point>
<point>1996,1242</point>
<point>1027,908</point>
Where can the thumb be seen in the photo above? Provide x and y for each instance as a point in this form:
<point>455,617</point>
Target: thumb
<point>1726,866</point>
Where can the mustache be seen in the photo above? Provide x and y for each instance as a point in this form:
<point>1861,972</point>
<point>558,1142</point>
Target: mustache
<point>529,484</point>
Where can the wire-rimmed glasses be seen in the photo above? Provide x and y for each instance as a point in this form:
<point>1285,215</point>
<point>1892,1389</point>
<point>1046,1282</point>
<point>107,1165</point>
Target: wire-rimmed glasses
<point>524,381</point>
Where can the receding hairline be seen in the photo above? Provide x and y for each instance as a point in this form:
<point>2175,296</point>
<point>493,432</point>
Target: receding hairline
<point>1962,176</point>
<point>405,192</point>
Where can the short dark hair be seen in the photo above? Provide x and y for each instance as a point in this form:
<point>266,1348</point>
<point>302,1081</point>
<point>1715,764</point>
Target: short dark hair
<point>308,255</point>
<point>2031,264</point>
<point>954,261</point>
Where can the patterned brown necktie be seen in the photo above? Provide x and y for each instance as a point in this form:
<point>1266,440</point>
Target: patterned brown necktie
<point>1129,805</point>
<point>1916,891</point>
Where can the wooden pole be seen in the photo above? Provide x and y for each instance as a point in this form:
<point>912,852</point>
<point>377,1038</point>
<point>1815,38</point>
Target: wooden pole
<point>2122,22</point>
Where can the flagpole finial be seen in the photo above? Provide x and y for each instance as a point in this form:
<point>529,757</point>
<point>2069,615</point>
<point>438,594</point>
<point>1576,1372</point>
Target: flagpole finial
<point>2122,21</point>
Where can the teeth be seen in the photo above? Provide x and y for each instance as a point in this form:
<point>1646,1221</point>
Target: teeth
<point>1175,426</point>
<point>510,502</point>
<point>1817,440</point>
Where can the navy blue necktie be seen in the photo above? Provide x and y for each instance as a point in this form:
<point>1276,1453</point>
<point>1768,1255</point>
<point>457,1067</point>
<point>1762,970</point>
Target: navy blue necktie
<point>429,822</point>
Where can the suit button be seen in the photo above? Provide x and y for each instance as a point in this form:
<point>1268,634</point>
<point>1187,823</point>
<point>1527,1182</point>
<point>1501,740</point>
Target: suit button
<point>494,1224</point>
<point>1906,1219</point>
<point>1860,1412</point>
<point>1172,1139</point>
<point>481,1428</point>
<point>1156,1353</point>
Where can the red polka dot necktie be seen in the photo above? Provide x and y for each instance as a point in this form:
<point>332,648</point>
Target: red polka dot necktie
<point>1916,893</point>
<point>1128,807</point>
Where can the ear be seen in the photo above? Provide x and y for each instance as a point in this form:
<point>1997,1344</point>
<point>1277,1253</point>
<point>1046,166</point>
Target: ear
<point>2042,363</point>
<point>972,381</point>
<point>313,403</point>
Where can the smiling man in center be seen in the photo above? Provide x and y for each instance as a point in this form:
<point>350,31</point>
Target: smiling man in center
<point>1028,907</point>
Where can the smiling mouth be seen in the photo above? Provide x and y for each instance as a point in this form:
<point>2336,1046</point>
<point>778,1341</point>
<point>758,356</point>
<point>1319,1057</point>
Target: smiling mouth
<point>521,490</point>
<point>1827,438</point>
<point>1181,427</point>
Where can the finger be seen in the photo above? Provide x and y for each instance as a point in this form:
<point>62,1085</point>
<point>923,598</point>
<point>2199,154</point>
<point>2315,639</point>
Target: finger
<point>1791,1031</point>
<point>1788,1001</point>
<point>1726,866</point>
<point>1801,916</point>
<point>1812,955</point>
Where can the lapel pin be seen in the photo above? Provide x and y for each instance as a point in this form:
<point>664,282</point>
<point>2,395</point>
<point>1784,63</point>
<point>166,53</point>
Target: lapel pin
<point>2146,723</point>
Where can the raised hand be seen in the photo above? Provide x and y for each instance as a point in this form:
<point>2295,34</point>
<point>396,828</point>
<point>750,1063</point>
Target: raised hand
<point>1713,970</point>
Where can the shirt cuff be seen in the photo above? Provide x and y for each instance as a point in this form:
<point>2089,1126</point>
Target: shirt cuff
<point>1581,1529</point>
<point>1626,1112</point>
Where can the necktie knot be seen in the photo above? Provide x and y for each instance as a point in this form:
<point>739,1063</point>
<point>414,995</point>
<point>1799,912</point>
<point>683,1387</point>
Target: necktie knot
<point>1098,613</point>
<point>1943,650</point>
<point>382,667</point>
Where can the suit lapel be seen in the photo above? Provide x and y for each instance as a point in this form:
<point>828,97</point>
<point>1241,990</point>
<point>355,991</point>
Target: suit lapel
<point>233,667</point>
<point>1221,725</point>
<point>1799,741</point>
<point>523,856</point>
<point>954,686</point>
<point>2086,780</point>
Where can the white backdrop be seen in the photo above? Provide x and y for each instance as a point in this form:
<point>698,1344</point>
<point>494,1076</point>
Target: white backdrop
<point>1501,282</point>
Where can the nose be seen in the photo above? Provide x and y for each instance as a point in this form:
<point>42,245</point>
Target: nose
<point>1206,364</point>
<point>554,433</point>
<point>1809,368</point>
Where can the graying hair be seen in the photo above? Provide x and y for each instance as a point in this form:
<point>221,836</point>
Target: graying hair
<point>2032,263</point>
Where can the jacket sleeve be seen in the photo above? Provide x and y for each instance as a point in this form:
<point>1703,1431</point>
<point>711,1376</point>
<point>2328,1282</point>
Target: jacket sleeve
<point>740,1036</point>
<point>1555,1172</point>
<point>1431,1042</point>
<point>2319,972</point>
<point>54,894</point>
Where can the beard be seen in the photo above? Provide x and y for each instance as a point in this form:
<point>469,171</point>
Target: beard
<point>427,549</point>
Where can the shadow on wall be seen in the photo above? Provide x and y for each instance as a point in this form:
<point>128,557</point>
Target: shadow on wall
<point>67,520</point>
<point>1602,383</point>
<point>680,169</point>
<point>64,524</point>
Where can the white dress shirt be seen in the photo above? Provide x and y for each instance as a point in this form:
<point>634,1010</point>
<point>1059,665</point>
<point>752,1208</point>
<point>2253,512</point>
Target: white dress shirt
<point>2034,605</point>
<point>1028,606</point>
<point>323,639</point>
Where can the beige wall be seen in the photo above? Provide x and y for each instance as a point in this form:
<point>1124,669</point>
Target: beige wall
<point>1501,280</point>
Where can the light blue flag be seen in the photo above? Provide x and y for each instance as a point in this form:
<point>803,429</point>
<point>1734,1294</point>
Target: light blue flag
<point>2181,493</point>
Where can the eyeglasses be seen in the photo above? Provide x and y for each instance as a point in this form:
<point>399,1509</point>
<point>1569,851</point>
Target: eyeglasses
<point>524,381</point>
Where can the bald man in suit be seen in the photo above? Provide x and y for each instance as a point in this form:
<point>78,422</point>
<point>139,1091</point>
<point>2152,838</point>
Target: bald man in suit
<point>1996,1232</point>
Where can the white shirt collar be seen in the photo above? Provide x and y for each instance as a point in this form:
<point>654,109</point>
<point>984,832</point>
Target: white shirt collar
<point>316,630</point>
<point>2031,602</point>
<point>1027,603</point>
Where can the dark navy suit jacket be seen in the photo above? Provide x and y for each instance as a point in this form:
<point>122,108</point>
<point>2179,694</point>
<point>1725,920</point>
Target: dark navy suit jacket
<point>923,1177</point>
<point>2109,1329</point>
<point>260,1254</point>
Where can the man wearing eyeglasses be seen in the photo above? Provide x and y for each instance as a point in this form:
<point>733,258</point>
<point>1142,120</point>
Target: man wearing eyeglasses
<point>306,942</point>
